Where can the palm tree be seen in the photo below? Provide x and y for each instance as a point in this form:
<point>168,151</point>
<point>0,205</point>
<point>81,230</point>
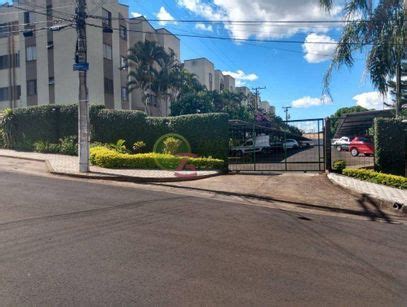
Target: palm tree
<point>144,61</point>
<point>381,31</point>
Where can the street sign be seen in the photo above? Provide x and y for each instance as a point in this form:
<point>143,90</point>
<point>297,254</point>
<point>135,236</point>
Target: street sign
<point>81,66</point>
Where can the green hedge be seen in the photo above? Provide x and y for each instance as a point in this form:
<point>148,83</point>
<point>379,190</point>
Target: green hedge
<point>376,177</point>
<point>390,146</point>
<point>206,133</point>
<point>108,158</point>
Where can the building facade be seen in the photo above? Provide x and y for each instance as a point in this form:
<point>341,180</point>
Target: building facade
<point>37,69</point>
<point>204,71</point>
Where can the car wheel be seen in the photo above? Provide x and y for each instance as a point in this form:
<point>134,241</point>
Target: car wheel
<point>354,152</point>
<point>339,148</point>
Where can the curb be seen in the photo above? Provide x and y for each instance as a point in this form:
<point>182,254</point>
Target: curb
<point>383,202</point>
<point>113,177</point>
<point>271,199</point>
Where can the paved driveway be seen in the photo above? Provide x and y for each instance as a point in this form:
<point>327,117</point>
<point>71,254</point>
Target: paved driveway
<point>74,242</point>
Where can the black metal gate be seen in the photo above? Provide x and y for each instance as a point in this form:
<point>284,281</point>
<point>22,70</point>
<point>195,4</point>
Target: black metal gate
<point>295,145</point>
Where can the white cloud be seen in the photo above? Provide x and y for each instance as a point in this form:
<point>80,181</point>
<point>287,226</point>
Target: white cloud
<point>203,27</point>
<point>261,10</point>
<point>240,76</point>
<point>164,17</point>
<point>315,50</point>
<point>136,14</point>
<point>307,101</point>
<point>371,100</point>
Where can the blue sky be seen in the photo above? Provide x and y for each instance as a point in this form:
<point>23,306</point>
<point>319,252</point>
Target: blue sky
<point>291,73</point>
<point>291,77</point>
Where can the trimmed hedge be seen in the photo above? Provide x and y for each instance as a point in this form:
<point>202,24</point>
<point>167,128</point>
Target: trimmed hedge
<point>108,158</point>
<point>26,126</point>
<point>390,146</point>
<point>206,133</point>
<point>376,177</point>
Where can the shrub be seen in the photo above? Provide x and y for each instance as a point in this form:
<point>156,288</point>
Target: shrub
<point>339,166</point>
<point>171,145</point>
<point>45,147</point>
<point>69,145</point>
<point>376,177</point>
<point>208,134</point>
<point>138,146</point>
<point>390,146</point>
<point>108,158</point>
<point>119,146</point>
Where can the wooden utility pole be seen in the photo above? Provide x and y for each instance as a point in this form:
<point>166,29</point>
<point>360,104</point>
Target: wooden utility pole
<point>81,65</point>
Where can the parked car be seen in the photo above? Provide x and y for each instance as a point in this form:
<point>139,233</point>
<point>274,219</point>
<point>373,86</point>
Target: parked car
<point>342,143</point>
<point>361,145</point>
<point>306,143</point>
<point>262,144</point>
<point>291,144</point>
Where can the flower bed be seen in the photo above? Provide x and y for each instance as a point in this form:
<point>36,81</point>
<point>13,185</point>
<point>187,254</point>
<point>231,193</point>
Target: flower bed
<point>376,177</point>
<point>109,158</point>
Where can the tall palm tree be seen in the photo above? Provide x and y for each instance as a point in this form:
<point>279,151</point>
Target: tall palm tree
<point>381,31</point>
<point>144,61</point>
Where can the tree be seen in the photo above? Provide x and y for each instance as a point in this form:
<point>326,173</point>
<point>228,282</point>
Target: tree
<point>150,70</point>
<point>381,31</point>
<point>192,103</point>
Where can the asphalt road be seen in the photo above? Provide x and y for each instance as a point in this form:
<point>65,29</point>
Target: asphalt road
<point>75,242</point>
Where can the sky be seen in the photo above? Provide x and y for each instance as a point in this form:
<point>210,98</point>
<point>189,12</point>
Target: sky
<point>291,72</point>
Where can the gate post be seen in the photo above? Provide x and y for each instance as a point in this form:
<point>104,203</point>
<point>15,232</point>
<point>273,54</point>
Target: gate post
<point>327,144</point>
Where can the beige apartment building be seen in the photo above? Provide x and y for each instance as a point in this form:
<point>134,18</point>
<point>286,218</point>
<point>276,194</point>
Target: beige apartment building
<point>37,69</point>
<point>213,79</point>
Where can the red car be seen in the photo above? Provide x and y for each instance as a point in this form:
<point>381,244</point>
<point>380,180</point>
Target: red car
<point>361,145</point>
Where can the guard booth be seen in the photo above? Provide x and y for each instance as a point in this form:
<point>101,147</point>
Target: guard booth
<point>258,147</point>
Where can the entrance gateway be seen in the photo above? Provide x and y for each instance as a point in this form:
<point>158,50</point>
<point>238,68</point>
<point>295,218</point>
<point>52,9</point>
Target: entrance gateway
<point>294,145</point>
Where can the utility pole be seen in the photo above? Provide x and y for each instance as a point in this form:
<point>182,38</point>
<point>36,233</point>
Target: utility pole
<point>257,95</point>
<point>398,68</point>
<point>81,65</point>
<point>287,116</point>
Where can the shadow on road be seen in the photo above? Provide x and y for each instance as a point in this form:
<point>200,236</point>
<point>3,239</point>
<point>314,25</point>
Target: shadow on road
<point>372,208</point>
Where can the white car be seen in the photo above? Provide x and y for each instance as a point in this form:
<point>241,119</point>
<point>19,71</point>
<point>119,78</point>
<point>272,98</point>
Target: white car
<point>342,143</point>
<point>291,144</point>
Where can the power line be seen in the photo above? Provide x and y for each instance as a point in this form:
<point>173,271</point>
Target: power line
<point>234,39</point>
<point>244,21</point>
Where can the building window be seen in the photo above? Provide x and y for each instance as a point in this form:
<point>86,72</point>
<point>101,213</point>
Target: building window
<point>51,81</point>
<point>4,62</point>
<point>123,62</point>
<point>108,86</point>
<point>31,53</point>
<point>125,94</point>
<point>107,19</point>
<point>210,82</point>
<point>107,51</point>
<point>27,18</point>
<point>123,32</point>
<point>4,30</point>
<point>31,87</point>
<point>3,93</point>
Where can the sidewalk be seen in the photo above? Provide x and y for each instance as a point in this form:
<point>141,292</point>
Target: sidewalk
<point>305,190</point>
<point>375,190</point>
<point>68,166</point>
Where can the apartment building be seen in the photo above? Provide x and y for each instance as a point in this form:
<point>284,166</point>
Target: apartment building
<point>230,83</point>
<point>37,69</point>
<point>266,107</point>
<point>204,71</point>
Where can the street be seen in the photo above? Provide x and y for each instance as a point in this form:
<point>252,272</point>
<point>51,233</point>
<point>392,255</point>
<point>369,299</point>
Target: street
<point>81,242</point>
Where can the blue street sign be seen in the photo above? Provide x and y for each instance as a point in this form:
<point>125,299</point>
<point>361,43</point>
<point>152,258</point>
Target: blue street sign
<point>81,66</point>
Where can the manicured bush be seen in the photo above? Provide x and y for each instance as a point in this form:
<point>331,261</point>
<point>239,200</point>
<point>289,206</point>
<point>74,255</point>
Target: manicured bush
<point>108,158</point>
<point>45,147</point>
<point>390,146</point>
<point>207,134</point>
<point>339,166</point>
<point>23,127</point>
<point>376,177</point>
<point>171,145</point>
